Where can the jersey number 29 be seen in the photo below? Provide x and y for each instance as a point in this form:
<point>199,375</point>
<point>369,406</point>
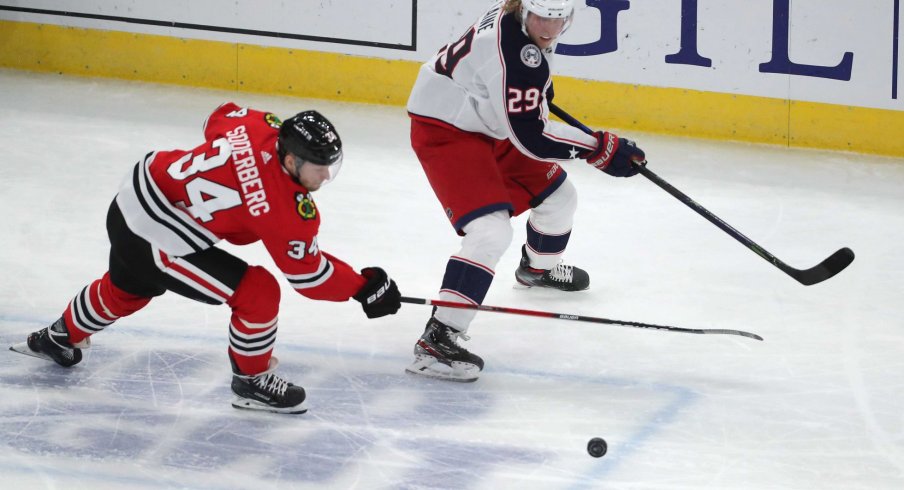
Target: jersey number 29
<point>451,54</point>
<point>523,100</point>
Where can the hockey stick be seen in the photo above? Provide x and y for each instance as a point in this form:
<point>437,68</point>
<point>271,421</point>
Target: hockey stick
<point>577,318</point>
<point>832,265</point>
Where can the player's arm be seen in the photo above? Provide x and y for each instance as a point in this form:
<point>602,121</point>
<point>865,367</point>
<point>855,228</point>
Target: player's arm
<point>523,106</point>
<point>321,276</point>
<point>312,273</point>
<point>518,93</point>
<point>619,157</point>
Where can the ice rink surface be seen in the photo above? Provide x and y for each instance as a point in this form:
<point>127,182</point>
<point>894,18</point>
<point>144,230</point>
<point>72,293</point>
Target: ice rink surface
<point>819,404</point>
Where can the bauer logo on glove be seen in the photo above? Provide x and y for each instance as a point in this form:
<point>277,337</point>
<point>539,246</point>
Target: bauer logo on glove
<point>379,296</point>
<point>618,157</point>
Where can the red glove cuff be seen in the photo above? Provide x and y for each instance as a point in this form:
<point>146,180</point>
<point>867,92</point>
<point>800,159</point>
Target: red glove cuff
<point>606,146</point>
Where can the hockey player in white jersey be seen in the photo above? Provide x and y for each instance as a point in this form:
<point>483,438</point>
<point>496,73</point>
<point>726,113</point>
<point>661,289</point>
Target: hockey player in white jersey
<point>481,130</point>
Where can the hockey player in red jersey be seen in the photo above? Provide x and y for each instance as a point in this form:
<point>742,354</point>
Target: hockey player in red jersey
<point>252,179</point>
<point>480,128</point>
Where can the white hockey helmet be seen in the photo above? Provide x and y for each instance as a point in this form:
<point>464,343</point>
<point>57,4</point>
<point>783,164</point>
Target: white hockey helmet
<point>550,9</point>
<point>554,9</point>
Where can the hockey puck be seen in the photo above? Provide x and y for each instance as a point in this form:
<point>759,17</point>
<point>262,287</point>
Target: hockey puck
<point>597,447</point>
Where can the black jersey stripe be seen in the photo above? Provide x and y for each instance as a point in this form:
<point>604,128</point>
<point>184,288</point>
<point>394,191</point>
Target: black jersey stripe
<point>306,281</point>
<point>165,206</point>
<point>152,213</point>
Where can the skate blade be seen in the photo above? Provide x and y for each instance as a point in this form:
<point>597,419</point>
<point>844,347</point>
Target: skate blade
<point>521,286</point>
<point>427,366</point>
<point>245,404</point>
<point>22,348</point>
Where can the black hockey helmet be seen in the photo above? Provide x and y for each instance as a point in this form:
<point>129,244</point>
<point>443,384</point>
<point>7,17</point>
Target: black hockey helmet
<point>311,137</point>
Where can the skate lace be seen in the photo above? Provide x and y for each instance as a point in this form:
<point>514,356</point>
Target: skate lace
<point>272,383</point>
<point>452,336</point>
<point>562,273</point>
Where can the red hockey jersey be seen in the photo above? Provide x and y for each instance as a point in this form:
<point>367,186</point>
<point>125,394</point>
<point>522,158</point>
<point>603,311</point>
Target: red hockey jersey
<point>233,187</point>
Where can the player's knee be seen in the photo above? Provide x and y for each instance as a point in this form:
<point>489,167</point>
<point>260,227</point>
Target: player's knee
<point>563,200</point>
<point>256,299</point>
<point>556,213</point>
<point>488,237</point>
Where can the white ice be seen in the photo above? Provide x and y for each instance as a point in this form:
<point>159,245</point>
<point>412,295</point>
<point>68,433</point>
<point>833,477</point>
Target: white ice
<point>819,404</point>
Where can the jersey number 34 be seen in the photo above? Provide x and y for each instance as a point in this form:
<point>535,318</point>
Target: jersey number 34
<point>205,197</point>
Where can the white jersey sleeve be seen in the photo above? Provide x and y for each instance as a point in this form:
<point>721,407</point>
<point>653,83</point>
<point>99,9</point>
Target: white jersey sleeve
<point>495,81</point>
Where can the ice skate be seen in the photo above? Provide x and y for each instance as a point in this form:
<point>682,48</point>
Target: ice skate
<point>267,392</point>
<point>562,277</point>
<point>438,355</point>
<point>52,343</point>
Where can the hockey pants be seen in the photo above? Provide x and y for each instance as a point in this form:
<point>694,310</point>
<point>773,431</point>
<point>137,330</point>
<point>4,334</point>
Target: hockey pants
<point>138,272</point>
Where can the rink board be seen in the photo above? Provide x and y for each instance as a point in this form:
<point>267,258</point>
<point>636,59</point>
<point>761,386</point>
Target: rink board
<point>302,73</point>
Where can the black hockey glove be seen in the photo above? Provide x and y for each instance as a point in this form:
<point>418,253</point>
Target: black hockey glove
<point>380,296</point>
<point>618,157</point>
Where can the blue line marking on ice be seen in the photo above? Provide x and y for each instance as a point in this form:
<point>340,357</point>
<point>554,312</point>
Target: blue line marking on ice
<point>682,398</point>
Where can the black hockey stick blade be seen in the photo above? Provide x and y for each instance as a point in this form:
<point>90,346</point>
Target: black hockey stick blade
<point>721,331</point>
<point>834,264</point>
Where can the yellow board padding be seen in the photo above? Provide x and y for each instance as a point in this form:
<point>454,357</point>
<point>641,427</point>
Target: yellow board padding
<point>848,128</point>
<point>733,117</point>
<point>674,111</point>
<point>253,68</point>
<point>325,75</point>
<point>91,52</point>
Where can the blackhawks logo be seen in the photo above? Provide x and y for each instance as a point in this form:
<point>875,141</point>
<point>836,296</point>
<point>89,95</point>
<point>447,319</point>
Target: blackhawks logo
<point>305,207</point>
<point>272,120</point>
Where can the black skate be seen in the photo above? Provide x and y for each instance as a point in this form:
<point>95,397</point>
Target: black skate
<point>562,277</point>
<point>267,392</point>
<point>52,343</point>
<point>437,355</point>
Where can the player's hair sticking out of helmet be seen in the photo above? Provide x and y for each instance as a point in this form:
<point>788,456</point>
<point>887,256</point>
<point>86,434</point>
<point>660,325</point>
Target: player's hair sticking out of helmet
<point>311,137</point>
<point>512,6</point>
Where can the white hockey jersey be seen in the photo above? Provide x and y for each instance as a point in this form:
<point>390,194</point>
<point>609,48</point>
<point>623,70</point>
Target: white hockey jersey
<point>495,81</point>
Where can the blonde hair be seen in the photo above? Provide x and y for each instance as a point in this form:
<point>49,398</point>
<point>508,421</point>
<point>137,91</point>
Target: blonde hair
<point>512,6</point>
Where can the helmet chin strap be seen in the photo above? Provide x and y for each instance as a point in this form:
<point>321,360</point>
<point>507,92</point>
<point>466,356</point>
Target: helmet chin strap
<point>524,14</point>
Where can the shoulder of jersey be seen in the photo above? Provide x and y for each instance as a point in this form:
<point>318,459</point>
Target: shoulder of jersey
<point>229,116</point>
<point>519,52</point>
<point>511,35</point>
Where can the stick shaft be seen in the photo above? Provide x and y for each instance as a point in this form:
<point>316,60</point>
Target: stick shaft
<point>568,118</point>
<point>572,317</point>
<point>822,271</point>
